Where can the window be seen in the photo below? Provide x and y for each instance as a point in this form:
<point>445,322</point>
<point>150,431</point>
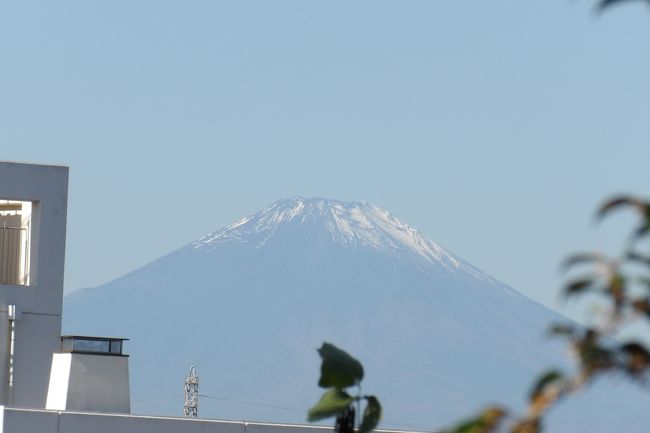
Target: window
<point>15,240</point>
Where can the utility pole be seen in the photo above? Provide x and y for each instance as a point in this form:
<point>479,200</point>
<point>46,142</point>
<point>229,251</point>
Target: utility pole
<point>191,407</point>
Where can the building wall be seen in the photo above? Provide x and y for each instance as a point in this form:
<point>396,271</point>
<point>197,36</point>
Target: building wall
<point>37,337</point>
<point>38,328</point>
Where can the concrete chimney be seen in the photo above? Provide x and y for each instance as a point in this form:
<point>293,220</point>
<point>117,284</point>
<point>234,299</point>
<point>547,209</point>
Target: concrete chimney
<point>90,374</point>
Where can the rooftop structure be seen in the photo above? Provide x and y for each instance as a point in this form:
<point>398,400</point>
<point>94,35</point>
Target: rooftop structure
<point>33,210</point>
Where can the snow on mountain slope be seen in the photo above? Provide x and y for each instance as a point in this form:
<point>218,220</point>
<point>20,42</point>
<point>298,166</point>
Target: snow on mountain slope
<point>248,305</point>
<point>351,225</point>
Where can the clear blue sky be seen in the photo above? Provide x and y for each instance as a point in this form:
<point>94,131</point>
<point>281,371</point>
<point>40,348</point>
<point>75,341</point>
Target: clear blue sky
<point>494,127</point>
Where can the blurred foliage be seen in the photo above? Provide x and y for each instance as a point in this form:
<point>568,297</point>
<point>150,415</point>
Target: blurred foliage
<point>338,372</point>
<point>623,282</point>
<point>604,4</point>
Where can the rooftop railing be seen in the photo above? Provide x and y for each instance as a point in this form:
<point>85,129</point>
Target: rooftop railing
<point>92,345</point>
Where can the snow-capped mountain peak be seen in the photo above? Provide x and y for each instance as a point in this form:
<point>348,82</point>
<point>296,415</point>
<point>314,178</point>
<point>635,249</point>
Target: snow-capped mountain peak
<point>350,224</point>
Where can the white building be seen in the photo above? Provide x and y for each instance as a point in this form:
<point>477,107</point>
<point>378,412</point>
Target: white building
<point>63,384</point>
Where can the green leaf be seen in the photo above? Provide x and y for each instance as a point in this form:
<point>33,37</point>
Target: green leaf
<point>543,381</point>
<point>330,404</point>
<point>371,415</point>
<point>338,369</point>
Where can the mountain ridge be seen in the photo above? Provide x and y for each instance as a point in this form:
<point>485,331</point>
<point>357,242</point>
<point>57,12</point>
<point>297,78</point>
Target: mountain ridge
<point>247,304</point>
<point>380,230</point>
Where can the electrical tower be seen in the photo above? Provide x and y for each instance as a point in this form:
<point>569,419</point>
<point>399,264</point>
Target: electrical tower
<point>191,407</point>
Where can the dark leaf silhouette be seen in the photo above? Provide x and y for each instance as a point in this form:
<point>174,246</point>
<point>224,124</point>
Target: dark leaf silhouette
<point>371,415</point>
<point>620,201</point>
<point>594,358</point>
<point>561,329</point>
<point>338,368</point>
<point>635,257</point>
<point>578,286</point>
<point>638,358</point>
<point>643,229</point>
<point>345,420</point>
<point>604,4</point>
<point>582,258</point>
<point>642,306</point>
<point>641,206</point>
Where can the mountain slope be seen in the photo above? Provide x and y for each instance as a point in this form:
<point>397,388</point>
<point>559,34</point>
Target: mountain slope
<point>248,305</point>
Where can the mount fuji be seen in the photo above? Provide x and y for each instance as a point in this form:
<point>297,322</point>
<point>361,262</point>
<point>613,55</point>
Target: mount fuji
<point>249,304</point>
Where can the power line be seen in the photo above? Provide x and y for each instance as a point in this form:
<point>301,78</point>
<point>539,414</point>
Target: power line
<point>391,424</point>
<point>164,397</point>
<point>252,403</point>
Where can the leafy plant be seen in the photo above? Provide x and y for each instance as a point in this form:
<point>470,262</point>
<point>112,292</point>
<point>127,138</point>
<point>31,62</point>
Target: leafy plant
<point>340,371</point>
<point>597,350</point>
